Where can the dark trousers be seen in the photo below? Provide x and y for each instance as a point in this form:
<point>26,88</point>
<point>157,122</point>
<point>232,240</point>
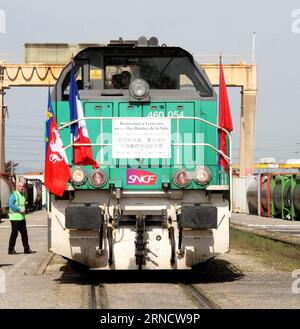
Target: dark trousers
<point>18,226</point>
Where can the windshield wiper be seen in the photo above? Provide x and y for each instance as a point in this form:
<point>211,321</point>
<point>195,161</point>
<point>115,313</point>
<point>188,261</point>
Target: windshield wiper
<point>167,65</point>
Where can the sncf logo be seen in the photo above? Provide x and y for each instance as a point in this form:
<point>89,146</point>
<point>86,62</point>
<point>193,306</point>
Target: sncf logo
<point>140,177</point>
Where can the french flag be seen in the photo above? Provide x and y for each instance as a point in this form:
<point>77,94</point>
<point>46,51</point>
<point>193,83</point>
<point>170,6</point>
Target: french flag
<point>83,155</point>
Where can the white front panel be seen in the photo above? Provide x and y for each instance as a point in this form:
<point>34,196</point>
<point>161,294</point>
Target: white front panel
<point>141,138</point>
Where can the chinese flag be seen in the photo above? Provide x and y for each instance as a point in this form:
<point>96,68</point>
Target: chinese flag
<point>225,120</point>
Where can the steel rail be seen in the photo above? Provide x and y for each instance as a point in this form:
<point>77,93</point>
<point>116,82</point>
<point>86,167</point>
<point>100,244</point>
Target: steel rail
<point>199,297</point>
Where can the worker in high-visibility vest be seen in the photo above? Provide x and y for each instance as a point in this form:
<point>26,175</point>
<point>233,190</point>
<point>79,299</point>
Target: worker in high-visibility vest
<point>17,219</point>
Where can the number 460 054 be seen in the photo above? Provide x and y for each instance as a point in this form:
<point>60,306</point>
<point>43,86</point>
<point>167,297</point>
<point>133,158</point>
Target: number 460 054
<point>160,114</point>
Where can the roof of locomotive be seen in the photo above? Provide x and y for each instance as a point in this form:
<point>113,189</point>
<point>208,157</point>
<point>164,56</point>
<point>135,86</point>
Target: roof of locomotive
<point>133,50</point>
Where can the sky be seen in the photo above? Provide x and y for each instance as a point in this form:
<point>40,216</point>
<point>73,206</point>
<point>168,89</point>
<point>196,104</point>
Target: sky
<point>201,27</point>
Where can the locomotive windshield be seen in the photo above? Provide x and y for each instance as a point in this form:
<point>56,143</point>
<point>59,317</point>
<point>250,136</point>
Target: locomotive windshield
<point>160,73</point>
<point>114,68</point>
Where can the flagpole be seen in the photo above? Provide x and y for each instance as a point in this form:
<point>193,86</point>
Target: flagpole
<point>230,175</point>
<point>219,131</point>
<point>47,120</point>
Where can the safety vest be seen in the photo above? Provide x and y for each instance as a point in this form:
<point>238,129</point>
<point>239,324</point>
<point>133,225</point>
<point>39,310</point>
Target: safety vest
<point>20,203</point>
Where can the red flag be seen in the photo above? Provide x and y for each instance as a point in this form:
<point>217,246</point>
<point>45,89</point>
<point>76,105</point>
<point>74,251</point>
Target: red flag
<point>225,120</point>
<point>57,170</point>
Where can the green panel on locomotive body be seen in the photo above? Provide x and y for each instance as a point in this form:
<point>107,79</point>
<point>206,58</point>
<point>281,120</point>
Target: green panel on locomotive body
<point>191,156</point>
<point>95,104</point>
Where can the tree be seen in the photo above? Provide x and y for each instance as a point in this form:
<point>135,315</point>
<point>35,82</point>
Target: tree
<point>10,167</point>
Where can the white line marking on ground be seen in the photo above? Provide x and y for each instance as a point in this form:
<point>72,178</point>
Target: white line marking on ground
<point>28,226</point>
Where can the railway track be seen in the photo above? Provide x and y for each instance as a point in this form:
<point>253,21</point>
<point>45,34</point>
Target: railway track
<point>147,291</point>
<point>99,298</point>
<point>199,297</point>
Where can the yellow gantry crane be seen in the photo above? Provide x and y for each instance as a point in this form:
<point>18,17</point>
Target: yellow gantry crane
<point>22,75</point>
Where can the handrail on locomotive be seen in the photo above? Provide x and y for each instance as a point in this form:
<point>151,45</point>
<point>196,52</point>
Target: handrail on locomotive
<point>178,119</point>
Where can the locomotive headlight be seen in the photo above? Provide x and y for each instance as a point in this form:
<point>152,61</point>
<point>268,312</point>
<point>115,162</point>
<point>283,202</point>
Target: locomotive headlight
<point>139,88</point>
<point>203,175</point>
<point>182,178</point>
<point>78,175</point>
<point>98,178</point>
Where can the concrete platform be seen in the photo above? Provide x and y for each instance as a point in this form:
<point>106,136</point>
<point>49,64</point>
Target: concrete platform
<point>277,229</point>
<point>37,232</point>
<point>24,286</point>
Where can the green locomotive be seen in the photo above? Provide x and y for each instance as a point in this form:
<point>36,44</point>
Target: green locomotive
<point>158,199</point>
